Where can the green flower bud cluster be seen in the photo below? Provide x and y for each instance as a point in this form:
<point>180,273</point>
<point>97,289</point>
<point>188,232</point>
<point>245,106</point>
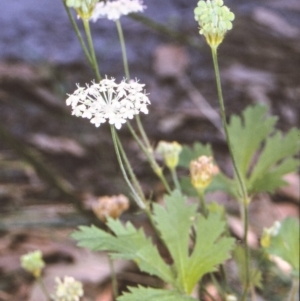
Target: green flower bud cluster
<point>33,263</point>
<point>170,151</point>
<point>214,20</point>
<point>84,8</point>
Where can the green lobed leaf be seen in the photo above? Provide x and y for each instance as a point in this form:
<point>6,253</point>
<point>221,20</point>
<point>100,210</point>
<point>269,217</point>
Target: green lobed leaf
<point>191,153</point>
<point>92,238</point>
<point>174,223</point>
<point>247,133</point>
<point>147,294</point>
<point>275,161</point>
<point>210,249</point>
<point>286,243</point>
<point>273,179</point>
<point>129,243</point>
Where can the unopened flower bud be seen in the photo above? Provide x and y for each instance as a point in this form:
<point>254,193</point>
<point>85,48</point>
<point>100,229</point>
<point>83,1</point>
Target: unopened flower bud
<point>33,263</point>
<point>214,20</point>
<point>68,289</point>
<point>110,206</point>
<point>202,172</point>
<point>268,233</point>
<point>170,151</point>
<point>84,8</point>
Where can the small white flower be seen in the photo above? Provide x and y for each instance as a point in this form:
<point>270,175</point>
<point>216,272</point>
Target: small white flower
<point>109,101</point>
<point>68,289</point>
<point>113,10</point>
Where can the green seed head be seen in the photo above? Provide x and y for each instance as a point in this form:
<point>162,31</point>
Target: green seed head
<point>214,20</point>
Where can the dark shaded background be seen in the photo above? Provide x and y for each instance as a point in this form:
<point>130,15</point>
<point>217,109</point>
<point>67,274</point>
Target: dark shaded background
<point>50,161</point>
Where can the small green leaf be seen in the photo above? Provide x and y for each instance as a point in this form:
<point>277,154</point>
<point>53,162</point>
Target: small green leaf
<point>209,250</point>
<point>129,243</point>
<point>151,294</point>
<point>174,223</point>
<point>191,153</point>
<point>286,243</point>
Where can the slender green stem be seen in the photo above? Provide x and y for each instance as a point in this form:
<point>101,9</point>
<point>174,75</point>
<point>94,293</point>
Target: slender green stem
<point>294,290</point>
<point>94,64</point>
<point>143,133</point>
<point>78,34</point>
<point>236,169</point>
<point>43,288</point>
<point>129,169</point>
<point>156,168</point>
<point>202,202</point>
<point>123,47</point>
<point>135,195</point>
<point>145,207</point>
<point>175,178</point>
<point>114,281</point>
<point>223,116</point>
<point>246,248</point>
<point>127,75</point>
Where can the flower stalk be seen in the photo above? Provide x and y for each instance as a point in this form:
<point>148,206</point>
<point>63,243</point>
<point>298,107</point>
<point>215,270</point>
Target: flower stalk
<point>149,155</point>
<point>86,24</point>
<point>78,34</point>
<point>123,48</point>
<point>136,197</point>
<point>243,191</point>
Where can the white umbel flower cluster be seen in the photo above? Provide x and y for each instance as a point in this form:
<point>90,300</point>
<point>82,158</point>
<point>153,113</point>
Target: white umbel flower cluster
<point>113,10</point>
<point>68,289</point>
<point>109,101</point>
